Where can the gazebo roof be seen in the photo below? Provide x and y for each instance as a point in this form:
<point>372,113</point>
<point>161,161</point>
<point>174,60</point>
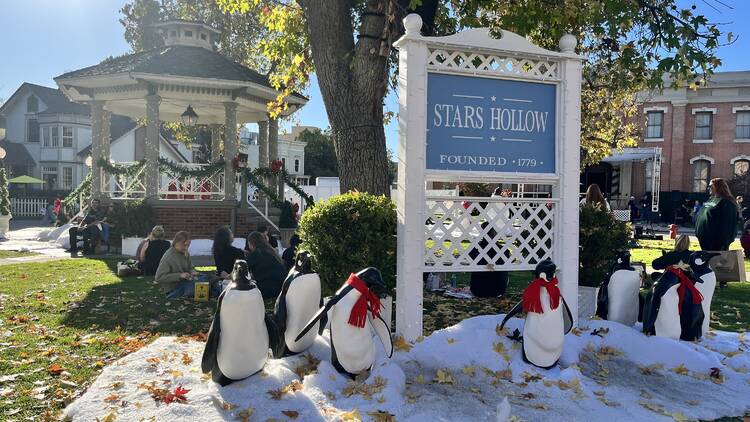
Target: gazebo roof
<point>186,71</point>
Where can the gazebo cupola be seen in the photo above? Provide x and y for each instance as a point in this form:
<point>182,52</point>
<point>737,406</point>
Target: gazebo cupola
<point>186,76</point>
<point>189,33</point>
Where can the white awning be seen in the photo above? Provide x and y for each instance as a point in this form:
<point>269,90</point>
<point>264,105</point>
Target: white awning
<point>632,154</point>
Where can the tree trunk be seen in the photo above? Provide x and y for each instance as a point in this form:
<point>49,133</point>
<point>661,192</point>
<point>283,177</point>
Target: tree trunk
<point>353,80</point>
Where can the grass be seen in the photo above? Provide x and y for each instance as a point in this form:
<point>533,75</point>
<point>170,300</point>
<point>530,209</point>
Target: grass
<point>651,249</point>
<point>62,321</point>
<point>15,254</point>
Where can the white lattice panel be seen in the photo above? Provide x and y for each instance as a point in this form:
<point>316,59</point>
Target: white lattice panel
<point>490,233</point>
<point>492,64</point>
<point>210,187</point>
<point>124,186</point>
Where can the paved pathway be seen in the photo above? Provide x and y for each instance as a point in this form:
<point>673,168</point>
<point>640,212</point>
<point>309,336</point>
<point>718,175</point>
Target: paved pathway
<point>24,239</point>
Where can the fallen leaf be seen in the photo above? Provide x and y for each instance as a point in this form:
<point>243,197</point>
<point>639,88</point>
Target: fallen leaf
<point>501,331</point>
<point>352,416</point>
<point>680,369</point>
<point>110,417</point>
<point>112,398</point>
<point>186,359</point>
<point>291,414</point>
<point>382,416</point>
<point>451,340</point>
<point>399,343</point>
<point>245,415</point>
<point>443,376</point>
<point>55,369</point>
<point>469,370</point>
<point>223,405</point>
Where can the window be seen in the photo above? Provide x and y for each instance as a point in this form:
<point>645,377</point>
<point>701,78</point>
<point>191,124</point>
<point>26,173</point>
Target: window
<point>283,163</point>
<point>741,167</point>
<point>32,130</point>
<point>203,36</point>
<point>32,105</point>
<point>296,166</point>
<point>45,136</point>
<point>655,124</point>
<point>67,137</point>
<point>55,139</point>
<point>49,175</point>
<point>701,175</point>
<point>67,177</point>
<point>189,34</point>
<point>703,123</point>
<point>743,125</point>
<point>649,175</point>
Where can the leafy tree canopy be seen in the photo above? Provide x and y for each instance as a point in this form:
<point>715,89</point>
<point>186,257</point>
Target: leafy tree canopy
<point>320,155</point>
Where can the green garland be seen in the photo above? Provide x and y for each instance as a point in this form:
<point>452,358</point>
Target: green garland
<point>173,169</point>
<point>83,189</point>
<point>121,169</point>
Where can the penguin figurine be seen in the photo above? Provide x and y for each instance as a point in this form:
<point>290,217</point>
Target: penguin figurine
<point>673,306</point>
<point>618,298</point>
<point>548,318</point>
<point>355,312</point>
<point>241,332</point>
<point>298,301</point>
<point>705,282</point>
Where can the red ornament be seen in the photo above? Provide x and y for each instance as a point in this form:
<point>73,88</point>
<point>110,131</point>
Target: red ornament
<point>236,163</point>
<point>276,165</point>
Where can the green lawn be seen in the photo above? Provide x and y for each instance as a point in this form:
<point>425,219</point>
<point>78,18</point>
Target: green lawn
<point>15,254</point>
<point>62,321</point>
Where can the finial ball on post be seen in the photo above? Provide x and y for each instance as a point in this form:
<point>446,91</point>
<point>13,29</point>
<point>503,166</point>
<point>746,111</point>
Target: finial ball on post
<point>413,24</point>
<point>568,43</point>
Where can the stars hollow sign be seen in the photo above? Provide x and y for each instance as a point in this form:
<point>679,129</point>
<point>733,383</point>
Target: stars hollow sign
<point>484,124</point>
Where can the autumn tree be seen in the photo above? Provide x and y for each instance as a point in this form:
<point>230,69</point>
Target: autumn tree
<point>320,155</point>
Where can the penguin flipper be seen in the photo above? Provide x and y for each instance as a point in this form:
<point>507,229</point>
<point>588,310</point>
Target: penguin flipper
<point>513,312</point>
<point>279,309</point>
<point>384,334</point>
<point>212,343</point>
<point>323,319</point>
<point>602,301</point>
<point>567,317</point>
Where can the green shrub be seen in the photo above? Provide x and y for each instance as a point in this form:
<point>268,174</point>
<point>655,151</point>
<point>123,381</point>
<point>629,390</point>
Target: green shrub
<point>601,238</point>
<point>4,197</point>
<point>131,219</point>
<point>347,233</point>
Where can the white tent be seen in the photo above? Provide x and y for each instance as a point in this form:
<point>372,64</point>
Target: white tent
<point>628,155</point>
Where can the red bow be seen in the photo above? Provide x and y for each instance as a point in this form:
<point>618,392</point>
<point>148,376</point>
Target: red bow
<point>359,311</point>
<point>685,284</point>
<point>532,301</point>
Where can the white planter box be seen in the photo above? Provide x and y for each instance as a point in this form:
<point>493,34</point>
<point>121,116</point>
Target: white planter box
<point>130,245</point>
<point>587,301</point>
<point>4,225</point>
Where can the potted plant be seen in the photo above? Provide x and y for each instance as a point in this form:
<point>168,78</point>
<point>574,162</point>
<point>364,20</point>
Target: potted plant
<point>132,221</point>
<point>601,237</point>
<point>4,205</point>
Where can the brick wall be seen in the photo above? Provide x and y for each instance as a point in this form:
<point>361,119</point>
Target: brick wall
<point>202,221</point>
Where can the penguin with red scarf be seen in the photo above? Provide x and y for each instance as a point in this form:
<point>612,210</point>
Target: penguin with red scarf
<point>673,307</point>
<point>548,318</point>
<point>354,315</point>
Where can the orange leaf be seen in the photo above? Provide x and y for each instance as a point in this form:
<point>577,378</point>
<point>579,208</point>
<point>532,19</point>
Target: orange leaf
<point>55,369</point>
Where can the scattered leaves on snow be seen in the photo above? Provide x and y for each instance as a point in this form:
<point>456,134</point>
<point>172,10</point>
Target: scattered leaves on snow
<point>444,376</point>
<point>293,386</point>
<point>399,343</point>
<point>382,416</point>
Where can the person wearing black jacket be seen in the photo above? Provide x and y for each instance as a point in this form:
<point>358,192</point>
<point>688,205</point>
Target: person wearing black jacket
<point>151,250</point>
<point>291,252</point>
<point>265,264</point>
<point>716,223</point>
<point>224,253</point>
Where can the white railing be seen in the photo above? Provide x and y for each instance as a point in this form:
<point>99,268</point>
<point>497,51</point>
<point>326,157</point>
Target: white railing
<point>210,187</point>
<point>124,186</point>
<point>27,207</point>
<point>481,234</point>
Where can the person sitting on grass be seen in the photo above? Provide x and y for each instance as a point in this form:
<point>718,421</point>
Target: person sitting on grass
<point>291,252</point>
<point>745,239</point>
<point>266,266</point>
<point>151,250</point>
<point>224,253</point>
<point>92,228</point>
<point>176,275</point>
<point>680,252</point>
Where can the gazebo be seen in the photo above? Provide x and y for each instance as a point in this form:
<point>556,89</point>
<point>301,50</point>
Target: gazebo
<point>185,80</point>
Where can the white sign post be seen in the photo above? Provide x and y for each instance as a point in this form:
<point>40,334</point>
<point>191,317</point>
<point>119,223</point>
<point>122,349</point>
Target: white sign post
<point>473,108</point>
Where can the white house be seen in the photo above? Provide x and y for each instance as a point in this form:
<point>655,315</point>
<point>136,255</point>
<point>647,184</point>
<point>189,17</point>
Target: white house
<point>49,137</point>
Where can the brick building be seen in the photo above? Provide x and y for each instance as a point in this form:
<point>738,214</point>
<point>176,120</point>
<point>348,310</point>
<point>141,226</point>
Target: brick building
<point>702,134</point>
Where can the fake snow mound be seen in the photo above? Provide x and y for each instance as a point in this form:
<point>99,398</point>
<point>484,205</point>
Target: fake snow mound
<point>459,373</point>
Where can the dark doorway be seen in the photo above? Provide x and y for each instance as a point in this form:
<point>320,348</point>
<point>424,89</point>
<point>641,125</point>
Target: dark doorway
<point>600,174</point>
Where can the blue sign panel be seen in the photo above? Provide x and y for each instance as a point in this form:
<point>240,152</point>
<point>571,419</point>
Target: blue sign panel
<point>483,124</point>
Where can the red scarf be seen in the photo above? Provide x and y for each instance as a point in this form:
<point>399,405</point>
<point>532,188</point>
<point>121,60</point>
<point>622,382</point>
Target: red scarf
<point>359,311</point>
<point>685,284</point>
<point>532,301</point>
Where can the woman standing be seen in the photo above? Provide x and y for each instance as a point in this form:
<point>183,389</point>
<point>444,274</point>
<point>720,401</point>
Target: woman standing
<point>266,266</point>
<point>716,222</point>
<point>224,253</point>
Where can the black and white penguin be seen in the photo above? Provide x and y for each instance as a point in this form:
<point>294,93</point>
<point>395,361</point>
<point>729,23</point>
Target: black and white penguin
<point>548,318</point>
<point>299,300</point>
<point>673,307</point>
<point>618,298</point>
<point>241,332</point>
<point>705,282</point>
<point>355,313</point>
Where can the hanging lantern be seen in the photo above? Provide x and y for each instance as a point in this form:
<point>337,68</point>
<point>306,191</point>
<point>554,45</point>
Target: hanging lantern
<point>189,117</point>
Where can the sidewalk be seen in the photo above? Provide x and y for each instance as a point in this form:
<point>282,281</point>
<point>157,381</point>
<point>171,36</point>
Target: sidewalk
<point>23,238</point>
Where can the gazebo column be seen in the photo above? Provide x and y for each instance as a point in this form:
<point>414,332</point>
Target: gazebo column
<point>99,145</point>
<point>273,152</point>
<point>215,142</point>
<point>263,144</point>
<point>151,147</point>
<point>230,150</point>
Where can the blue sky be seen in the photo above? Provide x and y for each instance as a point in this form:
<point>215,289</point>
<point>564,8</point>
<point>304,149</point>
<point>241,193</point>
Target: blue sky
<point>40,39</point>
